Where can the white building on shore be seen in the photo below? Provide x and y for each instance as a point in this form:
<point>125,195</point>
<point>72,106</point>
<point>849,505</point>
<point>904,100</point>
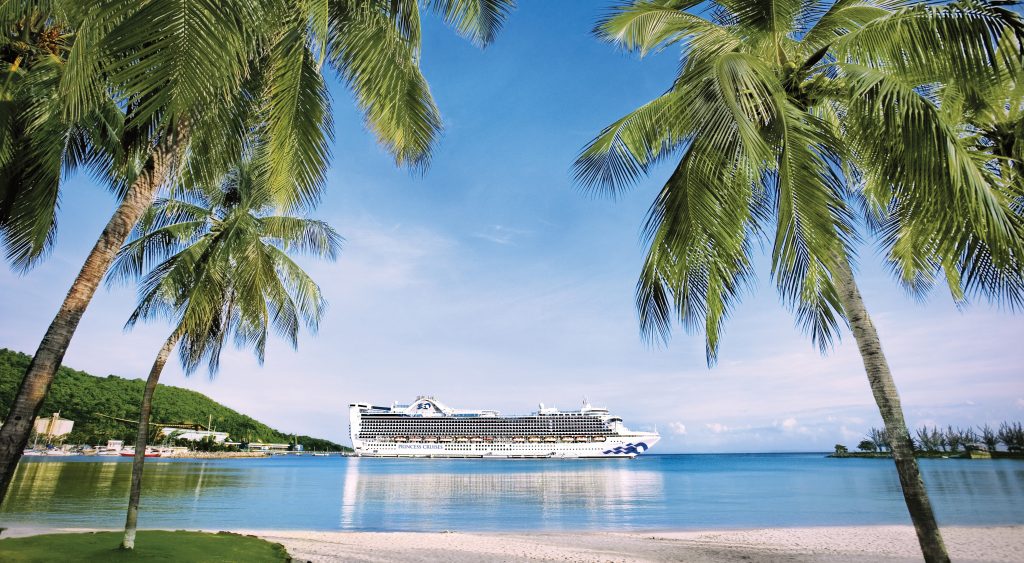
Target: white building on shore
<point>193,435</point>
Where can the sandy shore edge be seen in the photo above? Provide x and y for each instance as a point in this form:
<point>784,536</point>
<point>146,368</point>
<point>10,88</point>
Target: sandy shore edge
<point>844,544</point>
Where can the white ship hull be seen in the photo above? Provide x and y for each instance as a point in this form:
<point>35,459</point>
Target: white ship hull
<point>625,446</point>
<point>427,428</point>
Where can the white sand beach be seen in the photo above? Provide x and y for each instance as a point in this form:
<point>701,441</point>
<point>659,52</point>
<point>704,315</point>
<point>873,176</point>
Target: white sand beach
<point>861,544</point>
<point>847,544</point>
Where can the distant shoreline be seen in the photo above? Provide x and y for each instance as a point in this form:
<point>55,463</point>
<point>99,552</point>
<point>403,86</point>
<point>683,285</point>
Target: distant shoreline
<point>838,544</point>
<point>188,455</point>
<point>930,455</point>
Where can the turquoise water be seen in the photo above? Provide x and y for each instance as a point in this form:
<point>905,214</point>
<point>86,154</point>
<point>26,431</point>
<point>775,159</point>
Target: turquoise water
<point>651,492</point>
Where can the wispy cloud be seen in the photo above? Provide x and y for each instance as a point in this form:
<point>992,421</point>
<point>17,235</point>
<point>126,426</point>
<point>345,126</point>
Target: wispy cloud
<point>500,234</point>
<point>677,428</point>
<point>789,424</point>
<point>717,427</point>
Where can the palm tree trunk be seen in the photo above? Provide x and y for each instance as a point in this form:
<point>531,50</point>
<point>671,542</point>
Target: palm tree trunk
<point>141,439</point>
<point>36,382</point>
<point>884,389</point>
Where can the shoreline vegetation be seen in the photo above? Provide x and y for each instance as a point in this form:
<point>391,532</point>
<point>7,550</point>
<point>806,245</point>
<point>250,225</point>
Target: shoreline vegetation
<point>106,408</point>
<point>949,442</point>
<point>933,455</point>
<point>838,544</point>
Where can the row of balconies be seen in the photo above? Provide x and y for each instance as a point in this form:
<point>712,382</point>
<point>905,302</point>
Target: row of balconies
<point>481,439</point>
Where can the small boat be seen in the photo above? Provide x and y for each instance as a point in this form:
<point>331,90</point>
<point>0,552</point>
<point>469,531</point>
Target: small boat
<point>149,453</point>
<point>320,454</point>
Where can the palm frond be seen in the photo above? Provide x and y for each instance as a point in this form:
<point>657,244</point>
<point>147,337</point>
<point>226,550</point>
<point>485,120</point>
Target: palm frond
<point>814,227</point>
<point>698,230</point>
<point>903,143</point>
<point>177,56</point>
<point>931,43</point>
<point>844,16</point>
<point>382,68</point>
<point>648,26</point>
<point>478,20</point>
<point>305,236</point>
<point>298,124</point>
<point>627,148</point>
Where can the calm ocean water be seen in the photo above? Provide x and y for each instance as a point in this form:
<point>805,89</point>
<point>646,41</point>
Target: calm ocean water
<point>649,493</point>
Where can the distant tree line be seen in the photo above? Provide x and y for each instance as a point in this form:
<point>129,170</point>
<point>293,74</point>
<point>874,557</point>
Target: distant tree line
<point>952,439</point>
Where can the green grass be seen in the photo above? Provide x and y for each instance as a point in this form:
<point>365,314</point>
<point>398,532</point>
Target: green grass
<point>154,545</point>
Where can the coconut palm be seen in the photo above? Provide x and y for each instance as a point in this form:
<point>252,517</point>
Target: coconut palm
<point>219,266</point>
<point>35,133</point>
<point>801,125</point>
<point>181,120</point>
<point>195,80</point>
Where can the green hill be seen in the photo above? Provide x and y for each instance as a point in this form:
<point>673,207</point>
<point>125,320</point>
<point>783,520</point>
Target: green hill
<point>80,396</point>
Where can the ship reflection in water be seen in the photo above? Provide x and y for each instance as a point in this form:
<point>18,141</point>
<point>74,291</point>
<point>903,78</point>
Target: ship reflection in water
<point>604,494</point>
<point>651,492</point>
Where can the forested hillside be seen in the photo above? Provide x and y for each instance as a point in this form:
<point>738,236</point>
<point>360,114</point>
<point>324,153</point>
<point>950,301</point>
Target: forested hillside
<point>83,398</point>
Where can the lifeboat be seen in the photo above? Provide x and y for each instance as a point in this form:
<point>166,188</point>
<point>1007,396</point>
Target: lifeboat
<point>567,438</point>
<point>415,438</point>
<point>550,439</point>
<point>519,439</point>
<point>401,439</point>
<point>488,438</point>
<point>476,439</point>
<point>581,438</point>
<point>598,438</point>
<point>445,439</point>
<point>430,439</point>
<point>533,439</point>
<point>462,439</point>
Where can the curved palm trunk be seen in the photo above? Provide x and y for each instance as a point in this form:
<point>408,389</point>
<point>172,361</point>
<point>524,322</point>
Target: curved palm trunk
<point>888,400</point>
<point>141,440</point>
<point>36,383</point>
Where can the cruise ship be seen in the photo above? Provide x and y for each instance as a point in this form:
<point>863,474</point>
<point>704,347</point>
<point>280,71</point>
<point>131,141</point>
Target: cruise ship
<point>428,428</point>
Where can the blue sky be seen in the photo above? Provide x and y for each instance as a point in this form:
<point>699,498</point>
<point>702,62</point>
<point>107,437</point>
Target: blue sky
<point>492,282</point>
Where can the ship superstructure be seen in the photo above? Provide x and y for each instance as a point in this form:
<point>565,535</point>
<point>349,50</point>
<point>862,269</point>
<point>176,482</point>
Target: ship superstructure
<point>428,428</point>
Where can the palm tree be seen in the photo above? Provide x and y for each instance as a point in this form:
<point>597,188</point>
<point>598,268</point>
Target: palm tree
<point>989,437</point>
<point>794,119</point>
<point>196,81</point>
<point>35,132</point>
<point>219,266</point>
